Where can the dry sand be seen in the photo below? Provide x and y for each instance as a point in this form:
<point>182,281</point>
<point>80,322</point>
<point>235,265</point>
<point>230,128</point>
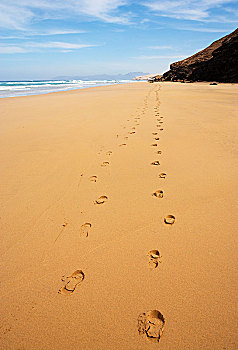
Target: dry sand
<point>92,287</point>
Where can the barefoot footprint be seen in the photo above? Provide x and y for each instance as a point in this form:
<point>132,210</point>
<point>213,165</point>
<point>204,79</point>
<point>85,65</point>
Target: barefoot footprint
<point>71,282</point>
<point>151,325</point>
<point>84,229</point>
<point>101,200</point>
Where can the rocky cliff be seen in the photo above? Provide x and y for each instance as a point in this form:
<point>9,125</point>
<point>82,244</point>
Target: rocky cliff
<point>218,62</point>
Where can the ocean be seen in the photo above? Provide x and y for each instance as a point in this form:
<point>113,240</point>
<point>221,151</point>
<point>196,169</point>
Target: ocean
<point>24,88</point>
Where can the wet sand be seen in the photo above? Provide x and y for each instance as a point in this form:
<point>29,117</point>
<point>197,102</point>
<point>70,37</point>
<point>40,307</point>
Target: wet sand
<point>118,218</point>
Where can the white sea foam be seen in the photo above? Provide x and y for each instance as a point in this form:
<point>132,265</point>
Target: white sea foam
<point>23,88</point>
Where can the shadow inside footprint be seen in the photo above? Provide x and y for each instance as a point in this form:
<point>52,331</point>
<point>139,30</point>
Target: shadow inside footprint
<point>158,194</point>
<point>84,229</point>
<point>71,282</point>
<point>169,220</point>
<point>156,162</point>
<point>105,164</point>
<point>93,178</point>
<point>154,257</point>
<point>151,325</point>
<point>101,200</point>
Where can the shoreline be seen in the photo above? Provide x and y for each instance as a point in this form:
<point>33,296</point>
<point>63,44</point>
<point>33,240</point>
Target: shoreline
<point>69,89</point>
<point>81,201</point>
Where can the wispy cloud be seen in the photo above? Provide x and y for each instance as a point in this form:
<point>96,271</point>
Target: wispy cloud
<point>15,14</point>
<point>11,49</point>
<point>203,30</point>
<point>196,10</point>
<point>60,45</point>
<point>35,46</point>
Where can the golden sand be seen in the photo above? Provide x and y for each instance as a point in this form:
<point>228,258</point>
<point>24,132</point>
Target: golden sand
<point>119,218</point>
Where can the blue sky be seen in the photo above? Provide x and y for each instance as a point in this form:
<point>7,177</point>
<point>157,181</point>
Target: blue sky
<point>42,39</point>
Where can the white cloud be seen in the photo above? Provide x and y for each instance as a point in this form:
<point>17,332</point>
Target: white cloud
<point>17,14</point>
<point>11,49</point>
<point>34,46</point>
<point>59,45</point>
<point>197,10</point>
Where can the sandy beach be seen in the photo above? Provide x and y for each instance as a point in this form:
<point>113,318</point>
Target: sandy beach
<point>117,201</point>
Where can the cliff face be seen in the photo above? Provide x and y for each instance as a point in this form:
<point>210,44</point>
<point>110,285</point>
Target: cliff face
<point>218,62</point>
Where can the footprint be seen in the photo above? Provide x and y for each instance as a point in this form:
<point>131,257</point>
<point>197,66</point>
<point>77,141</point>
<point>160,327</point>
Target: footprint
<point>161,129</point>
<point>126,138</point>
<point>154,145</point>
<point>151,325</point>
<point>133,128</point>
<point>154,256</point>
<point>84,229</point>
<point>123,144</point>
<point>159,152</point>
<point>105,164</point>
<point>71,282</point>
<point>101,200</point>
<point>93,178</point>
<point>169,219</point>
<point>154,133</point>
<point>156,162</point>
<point>162,175</point>
<point>157,138</point>
<point>158,194</point>
<point>132,132</point>
<point>109,153</point>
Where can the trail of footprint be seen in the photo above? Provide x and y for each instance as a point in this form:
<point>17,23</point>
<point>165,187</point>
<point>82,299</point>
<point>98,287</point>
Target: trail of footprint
<point>101,200</point>
<point>158,194</point>
<point>93,178</point>
<point>84,229</point>
<point>154,258</point>
<point>71,282</point>
<point>105,164</point>
<point>151,325</point>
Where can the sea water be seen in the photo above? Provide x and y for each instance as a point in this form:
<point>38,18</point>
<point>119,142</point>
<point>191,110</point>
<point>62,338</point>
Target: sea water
<point>35,87</point>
